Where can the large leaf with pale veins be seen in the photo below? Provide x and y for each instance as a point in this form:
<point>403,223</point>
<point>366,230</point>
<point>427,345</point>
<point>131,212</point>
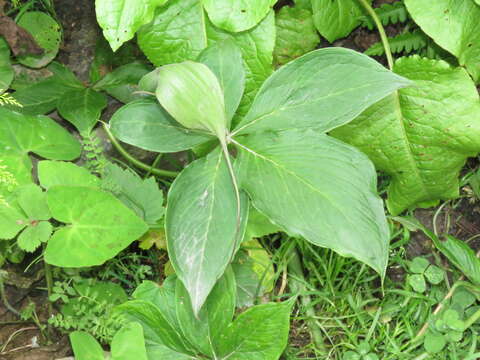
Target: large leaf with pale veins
<point>454,25</point>
<point>323,89</point>
<point>98,227</point>
<point>319,188</point>
<point>201,225</point>
<point>422,135</point>
<point>144,123</point>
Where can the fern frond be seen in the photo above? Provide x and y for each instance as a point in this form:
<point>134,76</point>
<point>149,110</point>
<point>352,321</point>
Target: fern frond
<point>406,43</point>
<point>7,99</point>
<point>388,14</point>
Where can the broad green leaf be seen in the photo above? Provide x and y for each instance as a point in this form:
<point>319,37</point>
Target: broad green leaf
<point>323,89</point>
<point>237,15</point>
<point>422,135</point>
<point>193,96</point>
<point>6,69</point>
<point>11,222</point>
<point>225,60</point>
<point>128,343</point>
<point>336,19</point>
<point>33,202</point>
<point>145,124</point>
<point>98,227</point>
<point>120,19</point>
<point>262,263</point>
<point>82,108</point>
<point>260,333</point>
<point>163,352</point>
<point>257,46</point>
<point>259,225</point>
<point>85,347</point>
<point>453,25</point>
<point>177,33</point>
<point>51,173</point>
<point>143,196</point>
<point>156,328</point>
<point>201,225</point>
<point>318,188</point>
<point>46,32</point>
<point>203,330</point>
<point>34,235</point>
<point>434,342</point>
<point>296,34</point>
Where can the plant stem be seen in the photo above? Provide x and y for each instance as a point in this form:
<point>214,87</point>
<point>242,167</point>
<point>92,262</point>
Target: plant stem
<point>49,281</point>
<point>381,30</point>
<point>3,295</point>
<point>135,162</point>
<point>297,285</point>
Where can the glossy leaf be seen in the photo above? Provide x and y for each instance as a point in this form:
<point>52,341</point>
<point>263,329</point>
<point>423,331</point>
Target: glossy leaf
<point>192,95</point>
<point>82,108</point>
<point>51,173</point>
<point>224,59</point>
<point>46,32</point>
<point>421,136</point>
<point>128,343</point>
<point>6,69</point>
<point>452,25</point>
<point>237,15</point>
<point>120,19</point>
<point>98,226</point>
<point>260,333</point>
<point>85,347</point>
<point>296,34</point>
<point>318,188</point>
<point>201,225</point>
<point>323,89</point>
<point>145,124</point>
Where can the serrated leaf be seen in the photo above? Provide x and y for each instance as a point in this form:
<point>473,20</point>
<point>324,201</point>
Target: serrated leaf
<point>452,25</point>
<point>296,34</point>
<point>34,235</point>
<point>6,69</point>
<point>98,226</point>
<point>145,124</point>
<point>237,15</point>
<point>294,98</point>
<point>46,32</point>
<point>336,19</point>
<point>260,333</point>
<point>143,196</point>
<point>318,188</point>
<point>201,225</point>
<point>51,173</point>
<point>224,59</point>
<point>120,19</point>
<point>82,108</point>
<point>422,135</point>
<point>85,347</point>
<point>128,343</point>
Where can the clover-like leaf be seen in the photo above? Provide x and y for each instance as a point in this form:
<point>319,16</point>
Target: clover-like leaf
<point>421,135</point>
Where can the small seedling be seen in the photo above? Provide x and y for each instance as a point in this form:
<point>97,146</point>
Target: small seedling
<point>421,272</point>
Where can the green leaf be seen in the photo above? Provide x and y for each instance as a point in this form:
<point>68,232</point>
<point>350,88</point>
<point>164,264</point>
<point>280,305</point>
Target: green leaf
<point>51,173</point>
<point>434,343</point>
<point>260,333</point>
<point>203,330</point>
<point>85,347</point>
<point>351,355</point>
<point>82,108</point>
<point>418,265</point>
<point>33,202</point>
<point>163,352</point>
<point>120,19</point>
<point>452,25</point>
<point>434,275</point>
<point>192,95</point>
<point>11,222</point>
<point>259,225</point>
<point>46,32</point>
<point>417,282</point>
<point>247,280</point>
<point>143,196</point>
<point>6,69</point>
<point>422,135</point>
<point>34,235</point>
<point>336,19</point>
<point>177,33</point>
<point>128,343</point>
<point>318,188</point>
<point>296,34</point>
<point>225,60</point>
<point>156,328</point>
<point>294,97</point>
<point>237,15</point>
<point>99,226</point>
<point>201,224</point>
<point>145,124</point>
